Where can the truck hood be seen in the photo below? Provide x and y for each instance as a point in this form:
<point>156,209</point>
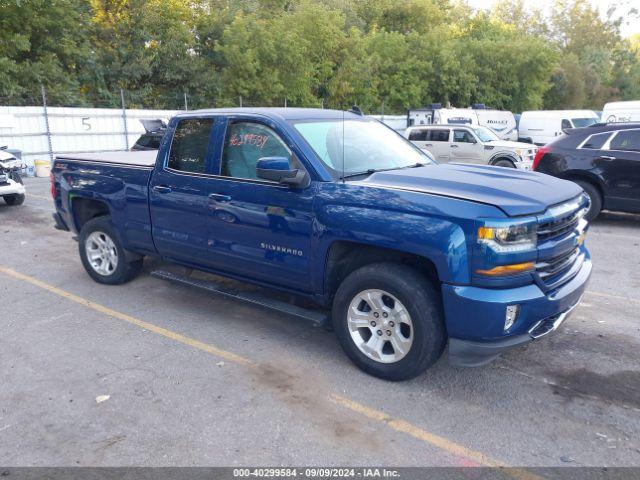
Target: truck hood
<point>515,192</point>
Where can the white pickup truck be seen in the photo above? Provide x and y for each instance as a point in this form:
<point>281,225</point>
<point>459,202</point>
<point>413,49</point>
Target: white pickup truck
<point>11,187</point>
<point>471,144</point>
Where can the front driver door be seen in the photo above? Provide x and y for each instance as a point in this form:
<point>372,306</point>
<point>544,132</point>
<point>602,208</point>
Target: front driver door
<point>465,148</point>
<point>259,229</point>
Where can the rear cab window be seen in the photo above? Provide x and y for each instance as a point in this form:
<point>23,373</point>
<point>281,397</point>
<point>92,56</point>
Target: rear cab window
<point>439,135</point>
<point>418,135</point>
<point>189,145</point>
<point>596,141</point>
<point>626,141</point>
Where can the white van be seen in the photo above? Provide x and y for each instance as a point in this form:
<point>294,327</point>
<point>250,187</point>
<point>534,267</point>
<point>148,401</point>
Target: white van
<point>614,112</point>
<point>501,122</point>
<point>544,126</point>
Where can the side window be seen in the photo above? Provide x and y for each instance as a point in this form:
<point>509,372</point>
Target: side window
<point>463,136</point>
<point>245,144</point>
<point>627,140</point>
<point>565,124</point>
<point>189,145</point>
<point>439,135</point>
<point>418,135</point>
<point>597,141</point>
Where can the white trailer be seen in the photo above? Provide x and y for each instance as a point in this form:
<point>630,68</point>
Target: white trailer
<point>614,112</point>
<point>544,126</point>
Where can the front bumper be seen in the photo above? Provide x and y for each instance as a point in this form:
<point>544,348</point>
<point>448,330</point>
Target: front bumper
<point>12,188</point>
<point>524,164</point>
<point>475,316</point>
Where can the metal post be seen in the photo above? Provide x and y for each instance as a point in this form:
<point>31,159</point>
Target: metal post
<point>186,105</point>
<point>124,121</point>
<point>322,103</point>
<point>46,122</point>
<point>240,99</point>
<point>285,102</point>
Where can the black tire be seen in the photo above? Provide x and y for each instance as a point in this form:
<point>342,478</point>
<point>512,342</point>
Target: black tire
<point>125,270</point>
<point>17,199</point>
<point>423,303</point>
<point>594,196</point>
<point>503,162</point>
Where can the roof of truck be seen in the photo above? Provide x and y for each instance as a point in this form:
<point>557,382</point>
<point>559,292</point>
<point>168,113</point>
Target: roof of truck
<point>279,113</point>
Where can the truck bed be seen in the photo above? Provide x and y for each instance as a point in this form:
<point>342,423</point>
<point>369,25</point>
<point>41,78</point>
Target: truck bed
<point>124,158</point>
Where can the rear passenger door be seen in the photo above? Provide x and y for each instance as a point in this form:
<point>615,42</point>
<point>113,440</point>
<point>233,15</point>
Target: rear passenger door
<point>178,195</point>
<point>622,169</point>
<point>438,143</point>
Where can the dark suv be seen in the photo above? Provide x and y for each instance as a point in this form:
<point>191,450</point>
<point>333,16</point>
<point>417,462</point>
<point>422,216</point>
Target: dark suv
<point>604,159</point>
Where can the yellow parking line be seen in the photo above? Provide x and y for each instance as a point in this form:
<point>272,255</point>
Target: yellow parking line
<point>29,194</point>
<point>398,425</point>
<point>231,357</point>
<point>416,432</point>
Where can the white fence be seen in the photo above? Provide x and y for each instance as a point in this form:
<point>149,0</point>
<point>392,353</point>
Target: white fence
<point>40,135</point>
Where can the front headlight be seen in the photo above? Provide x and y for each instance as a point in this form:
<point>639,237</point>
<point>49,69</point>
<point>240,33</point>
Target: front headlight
<point>520,152</point>
<point>509,238</point>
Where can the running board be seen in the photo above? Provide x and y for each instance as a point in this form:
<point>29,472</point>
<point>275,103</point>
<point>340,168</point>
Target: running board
<point>317,317</point>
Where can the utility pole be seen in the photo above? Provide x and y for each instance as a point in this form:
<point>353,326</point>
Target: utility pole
<point>124,121</point>
<point>46,121</point>
<point>186,105</point>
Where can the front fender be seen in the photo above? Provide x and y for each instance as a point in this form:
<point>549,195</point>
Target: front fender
<point>437,228</point>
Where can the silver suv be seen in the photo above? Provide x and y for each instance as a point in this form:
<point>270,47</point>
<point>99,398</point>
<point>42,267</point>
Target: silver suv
<point>471,144</point>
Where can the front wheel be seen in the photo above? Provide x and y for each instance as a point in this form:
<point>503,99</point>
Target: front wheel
<point>504,163</point>
<point>388,319</point>
<point>595,199</point>
<point>102,254</point>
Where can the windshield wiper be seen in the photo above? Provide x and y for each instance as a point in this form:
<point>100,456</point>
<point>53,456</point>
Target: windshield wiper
<point>376,170</point>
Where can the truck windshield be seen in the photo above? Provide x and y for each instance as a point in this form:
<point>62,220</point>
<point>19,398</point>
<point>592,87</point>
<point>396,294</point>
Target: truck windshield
<point>583,122</point>
<point>485,135</point>
<point>365,145</point>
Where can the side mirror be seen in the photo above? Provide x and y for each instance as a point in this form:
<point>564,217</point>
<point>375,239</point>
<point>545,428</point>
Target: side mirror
<point>3,147</point>
<point>278,169</point>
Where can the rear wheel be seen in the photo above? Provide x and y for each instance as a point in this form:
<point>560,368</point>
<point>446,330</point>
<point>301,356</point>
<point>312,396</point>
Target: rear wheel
<point>388,319</point>
<point>595,198</point>
<point>102,254</point>
<point>17,199</point>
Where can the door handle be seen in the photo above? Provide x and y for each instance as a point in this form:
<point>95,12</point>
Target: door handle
<point>454,146</point>
<point>219,198</point>
<point>428,144</point>
<point>161,189</point>
<point>608,158</point>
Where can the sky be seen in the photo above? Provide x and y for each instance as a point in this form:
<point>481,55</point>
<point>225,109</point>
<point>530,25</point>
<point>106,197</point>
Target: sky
<point>629,27</point>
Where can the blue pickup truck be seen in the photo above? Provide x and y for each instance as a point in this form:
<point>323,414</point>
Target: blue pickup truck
<point>337,208</point>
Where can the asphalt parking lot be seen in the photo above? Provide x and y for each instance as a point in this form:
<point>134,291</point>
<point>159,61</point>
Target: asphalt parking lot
<point>152,373</point>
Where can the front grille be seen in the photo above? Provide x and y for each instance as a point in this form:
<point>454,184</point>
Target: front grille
<point>557,265</point>
<point>558,226</point>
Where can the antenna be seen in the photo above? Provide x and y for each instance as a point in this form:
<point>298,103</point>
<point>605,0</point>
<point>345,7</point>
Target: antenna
<point>343,146</point>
